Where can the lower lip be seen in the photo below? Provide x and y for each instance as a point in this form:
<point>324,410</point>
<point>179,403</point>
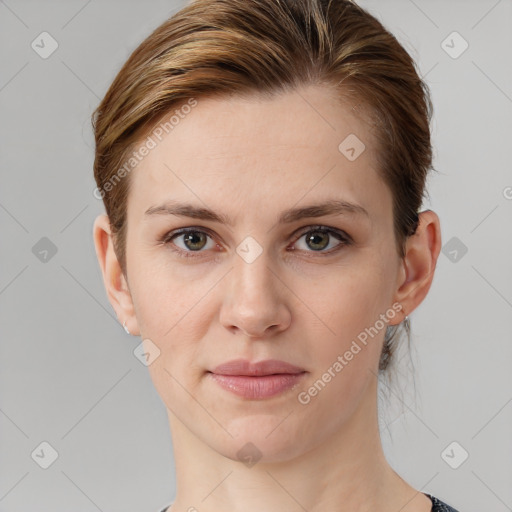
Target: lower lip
<point>263,386</point>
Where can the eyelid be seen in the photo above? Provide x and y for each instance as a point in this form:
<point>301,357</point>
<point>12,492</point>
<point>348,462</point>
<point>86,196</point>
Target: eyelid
<point>323,227</point>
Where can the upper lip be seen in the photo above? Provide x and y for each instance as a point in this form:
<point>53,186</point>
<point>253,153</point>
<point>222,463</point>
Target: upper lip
<point>246,367</point>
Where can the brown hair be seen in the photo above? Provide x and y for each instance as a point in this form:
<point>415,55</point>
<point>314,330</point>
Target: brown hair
<point>216,47</point>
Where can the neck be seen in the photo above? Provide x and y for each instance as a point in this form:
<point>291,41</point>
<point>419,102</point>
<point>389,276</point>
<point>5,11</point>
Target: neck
<point>346,471</point>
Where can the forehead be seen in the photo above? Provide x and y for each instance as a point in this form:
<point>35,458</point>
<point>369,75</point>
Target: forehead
<point>256,152</point>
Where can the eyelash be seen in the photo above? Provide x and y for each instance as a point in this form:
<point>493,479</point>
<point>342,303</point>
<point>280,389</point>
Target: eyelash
<point>345,240</point>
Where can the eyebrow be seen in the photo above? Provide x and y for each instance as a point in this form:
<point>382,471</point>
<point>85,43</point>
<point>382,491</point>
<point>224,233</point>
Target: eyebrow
<point>331,207</point>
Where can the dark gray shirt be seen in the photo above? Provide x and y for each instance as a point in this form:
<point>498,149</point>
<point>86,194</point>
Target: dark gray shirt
<point>438,505</point>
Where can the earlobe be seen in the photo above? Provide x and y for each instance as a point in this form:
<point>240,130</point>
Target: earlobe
<point>419,262</point>
<point>114,281</point>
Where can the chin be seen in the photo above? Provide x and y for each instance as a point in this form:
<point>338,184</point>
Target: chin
<point>262,439</point>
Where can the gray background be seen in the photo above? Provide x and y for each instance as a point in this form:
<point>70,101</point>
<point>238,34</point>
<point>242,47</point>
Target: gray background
<point>68,374</point>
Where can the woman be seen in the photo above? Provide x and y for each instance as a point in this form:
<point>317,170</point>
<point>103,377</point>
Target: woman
<point>262,165</point>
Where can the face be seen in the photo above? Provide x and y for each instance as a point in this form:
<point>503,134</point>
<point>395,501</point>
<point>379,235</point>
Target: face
<point>259,282</point>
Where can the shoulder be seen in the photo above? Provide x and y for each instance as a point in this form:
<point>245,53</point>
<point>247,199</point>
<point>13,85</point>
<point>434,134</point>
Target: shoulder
<point>440,506</point>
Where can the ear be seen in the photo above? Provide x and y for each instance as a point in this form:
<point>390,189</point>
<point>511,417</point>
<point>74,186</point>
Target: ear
<point>417,267</point>
<point>116,285</point>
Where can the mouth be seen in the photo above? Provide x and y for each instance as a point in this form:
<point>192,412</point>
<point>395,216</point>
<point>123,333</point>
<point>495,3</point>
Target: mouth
<point>259,380</point>
<point>258,387</point>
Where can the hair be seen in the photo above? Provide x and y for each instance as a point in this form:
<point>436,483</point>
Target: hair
<point>238,47</point>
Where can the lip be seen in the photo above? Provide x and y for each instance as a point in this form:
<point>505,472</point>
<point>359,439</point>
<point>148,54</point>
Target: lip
<point>258,380</point>
<point>247,368</point>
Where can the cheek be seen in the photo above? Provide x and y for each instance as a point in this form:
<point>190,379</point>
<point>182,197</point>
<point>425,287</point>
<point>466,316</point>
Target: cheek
<point>348,300</point>
<point>164,295</point>
<point>345,344</point>
<point>171,309</point>
<point>350,305</point>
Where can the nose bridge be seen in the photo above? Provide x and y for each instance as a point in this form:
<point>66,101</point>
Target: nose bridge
<point>253,302</point>
<point>252,279</point>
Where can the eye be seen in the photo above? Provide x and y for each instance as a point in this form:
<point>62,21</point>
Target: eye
<point>189,241</point>
<point>318,238</point>
<point>194,240</point>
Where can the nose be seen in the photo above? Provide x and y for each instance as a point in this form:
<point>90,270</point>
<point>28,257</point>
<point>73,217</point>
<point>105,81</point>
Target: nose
<point>255,299</point>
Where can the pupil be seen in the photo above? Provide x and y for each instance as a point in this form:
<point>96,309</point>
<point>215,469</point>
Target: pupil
<point>312,239</point>
<point>190,237</point>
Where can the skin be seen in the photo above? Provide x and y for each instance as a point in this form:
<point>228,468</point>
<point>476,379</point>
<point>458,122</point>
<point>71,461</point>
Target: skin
<point>250,159</point>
